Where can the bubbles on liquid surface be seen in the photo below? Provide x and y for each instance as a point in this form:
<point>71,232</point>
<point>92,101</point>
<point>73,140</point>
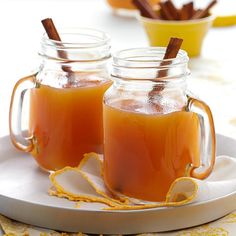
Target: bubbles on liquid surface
<point>138,106</point>
<point>82,80</point>
<point>159,105</point>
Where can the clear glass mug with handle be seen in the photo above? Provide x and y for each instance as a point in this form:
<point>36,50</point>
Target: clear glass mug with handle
<point>154,130</point>
<point>65,110</point>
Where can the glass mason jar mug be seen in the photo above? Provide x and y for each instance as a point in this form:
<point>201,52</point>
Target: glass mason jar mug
<point>65,115</point>
<point>154,131</point>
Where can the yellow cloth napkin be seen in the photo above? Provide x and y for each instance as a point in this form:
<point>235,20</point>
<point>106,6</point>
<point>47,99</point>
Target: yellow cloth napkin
<point>14,228</point>
<point>85,184</point>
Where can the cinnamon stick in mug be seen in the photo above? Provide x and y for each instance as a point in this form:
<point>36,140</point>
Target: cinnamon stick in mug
<point>54,35</point>
<point>173,48</point>
<point>51,29</point>
<point>171,52</point>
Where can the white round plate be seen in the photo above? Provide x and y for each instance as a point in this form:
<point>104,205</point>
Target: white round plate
<point>23,197</point>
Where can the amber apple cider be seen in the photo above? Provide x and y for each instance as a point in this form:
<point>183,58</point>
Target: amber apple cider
<point>66,123</point>
<point>145,151</point>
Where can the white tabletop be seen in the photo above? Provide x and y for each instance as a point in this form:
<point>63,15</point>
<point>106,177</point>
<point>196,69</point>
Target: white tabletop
<point>21,31</point>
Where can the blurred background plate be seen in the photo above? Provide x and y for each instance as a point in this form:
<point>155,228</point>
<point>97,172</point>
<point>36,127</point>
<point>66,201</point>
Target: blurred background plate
<point>23,197</point>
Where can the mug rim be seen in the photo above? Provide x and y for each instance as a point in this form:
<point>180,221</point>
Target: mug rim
<point>102,37</point>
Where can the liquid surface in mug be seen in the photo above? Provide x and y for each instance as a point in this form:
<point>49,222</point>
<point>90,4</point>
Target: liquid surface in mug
<point>66,122</point>
<point>144,153</point>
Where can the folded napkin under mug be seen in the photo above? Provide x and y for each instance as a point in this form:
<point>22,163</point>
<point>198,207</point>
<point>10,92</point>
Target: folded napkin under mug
<point>85,184</point>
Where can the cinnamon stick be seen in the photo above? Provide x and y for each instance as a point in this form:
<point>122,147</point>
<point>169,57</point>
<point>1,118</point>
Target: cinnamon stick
<point>165,12</point>
<point>187,11</point>
<point>204,12</point>
<point>173,48</point>
<point>51,29</point>
<point>195,11</point>
<point>171,52</point>
<point>190,7</point>
<point>53,34</point>
<point>172,9</point>
<point>145,9</point>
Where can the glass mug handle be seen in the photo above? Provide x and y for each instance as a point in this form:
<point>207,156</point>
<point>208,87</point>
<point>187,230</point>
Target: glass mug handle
<point>15,114</point>
<point>208,140</point>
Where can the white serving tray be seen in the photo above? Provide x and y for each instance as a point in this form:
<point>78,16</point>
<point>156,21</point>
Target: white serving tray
<point>23,197</point>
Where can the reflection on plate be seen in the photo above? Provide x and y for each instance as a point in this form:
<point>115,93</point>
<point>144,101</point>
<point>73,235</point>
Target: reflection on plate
<point>23,197</point>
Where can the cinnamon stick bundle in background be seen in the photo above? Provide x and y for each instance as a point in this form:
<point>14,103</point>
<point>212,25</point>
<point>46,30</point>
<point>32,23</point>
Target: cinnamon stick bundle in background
<point>168,11</point>
<point>145,9</point>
